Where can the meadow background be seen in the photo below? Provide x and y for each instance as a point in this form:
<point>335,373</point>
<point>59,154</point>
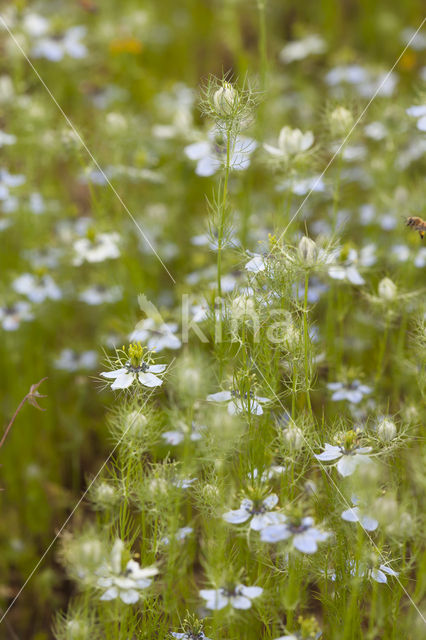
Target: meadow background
<point>130,75</point>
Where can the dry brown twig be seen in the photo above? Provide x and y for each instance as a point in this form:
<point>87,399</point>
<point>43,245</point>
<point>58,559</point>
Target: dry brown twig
<point>30,397</point>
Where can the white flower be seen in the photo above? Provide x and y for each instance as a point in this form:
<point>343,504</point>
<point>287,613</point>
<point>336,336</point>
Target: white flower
<point>183,483</point>
<point>6,139</point>
<point>124,584</point>
<point>179,536</point>
<point>353,392</point>
<point>355,515</point>
<point>36,203</point>
<point>239,597</point>
<point>302,186</point>
<point>274,471</point>
<point>304,536</point>
<point>12,316</point>
<point>9,180</point>
<point>143,373</point>
<point>291,142</point>
<point>348,458</point>
<point>380,574</point>
<point>238,404</point>
<point>70,360</point>
<point>211,154</point>
<point>190,636</point>
<point>256,264</point>
<point>54,49</point>
<point>101,247</point>
<point>98,294</point>
<point>312,44</point>
<point>259,513</point>
<point>419,112</point>
<point>176,437</point>
<point>348,270</point>
<point>135,369</point>
<point>37,288</point>
<point>157,335</point>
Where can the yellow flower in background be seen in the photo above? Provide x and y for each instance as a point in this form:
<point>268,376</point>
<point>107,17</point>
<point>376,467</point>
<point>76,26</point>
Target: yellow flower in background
<point>125,45</point>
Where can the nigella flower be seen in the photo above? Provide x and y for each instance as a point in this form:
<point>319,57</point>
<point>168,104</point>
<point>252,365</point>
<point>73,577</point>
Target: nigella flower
<point>98,294</point>
<point>380,574</point>
<point>158,335</point>
<point>349,454</point>
<point>124,584</point>
<point>353,392</point>
<point>136,369</point>
<point>348,270</point>
<point>418,111</point>
<point>55,48</point>
<point>274,471</point>
<point>176,437</point>
<point>311,44</point>
<point>37,288</point>
<point>257,263</point>
<point>238,596</point>
<point>200,635</point>
<point>259,512</point>
<point>303,534</point>
<point>96,247</point>
<point>183,483</point>
<point>355,515</point>
<point>211,154</point>
<point>238,403</point>
<point>361,570</point>
<point>70,360</point>
<point>8,180</point>
<point>6,139</point>
<point>12,316</point>
<point>180,535</point>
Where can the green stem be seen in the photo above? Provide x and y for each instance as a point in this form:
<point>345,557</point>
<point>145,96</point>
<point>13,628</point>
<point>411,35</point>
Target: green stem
<point>307,342</point>
<point>222,215</point>
<point>382,349</point>
<point>262,43</point>
<point>336,194</point>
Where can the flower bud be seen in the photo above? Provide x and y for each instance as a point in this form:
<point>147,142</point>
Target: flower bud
<point>293,438</point>
<point>386,430</point>
<point>387,289</point>
<point>225,100</point>
<point>341,120</point>
<point>293,141</point>
<point>307,251</point>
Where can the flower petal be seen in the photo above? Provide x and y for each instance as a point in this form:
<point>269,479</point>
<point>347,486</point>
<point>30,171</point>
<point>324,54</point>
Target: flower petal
<point>221,396</point>
<point>149,380</point>
<point>113,374</point>
<point>240,602</point>
<point>123,381</point>
<point>130,596</point>
<point>237,516</point>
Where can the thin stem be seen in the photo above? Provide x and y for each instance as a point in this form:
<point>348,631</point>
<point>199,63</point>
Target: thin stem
<point>382,349</point>
<point>262,43</point>
<point>307,342</point>
<point>222,215</point>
